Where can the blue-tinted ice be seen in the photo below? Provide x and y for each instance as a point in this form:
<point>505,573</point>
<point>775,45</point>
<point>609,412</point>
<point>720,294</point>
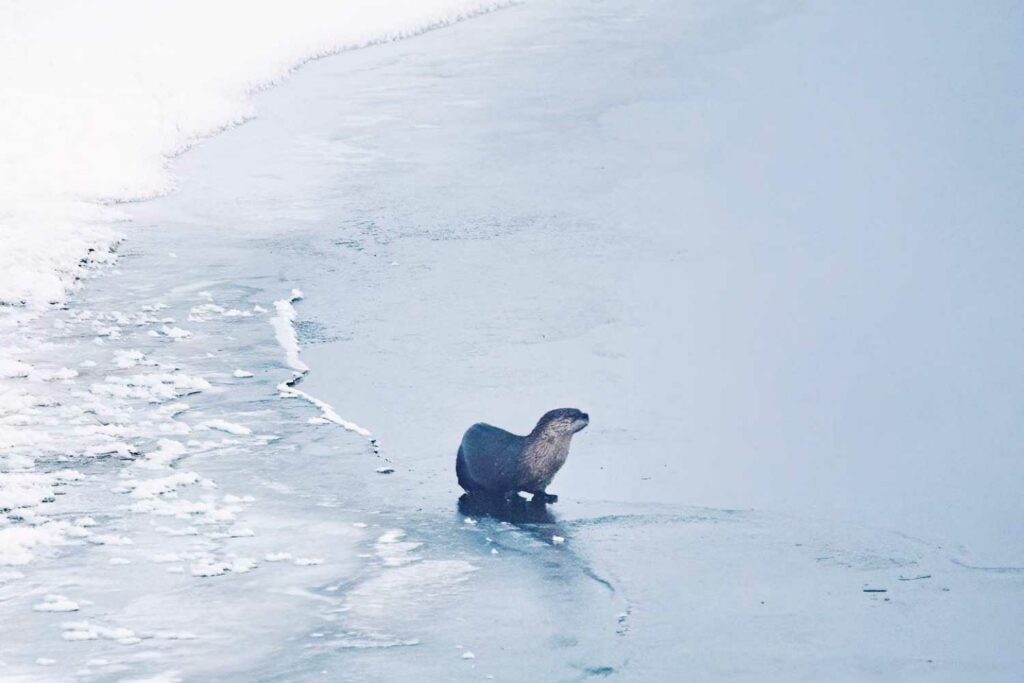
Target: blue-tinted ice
<point>649,210</point>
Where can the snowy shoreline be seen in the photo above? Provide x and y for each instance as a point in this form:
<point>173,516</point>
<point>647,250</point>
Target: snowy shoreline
<point>96,123</point>
<point>62,179</point>
<point>109,430</point>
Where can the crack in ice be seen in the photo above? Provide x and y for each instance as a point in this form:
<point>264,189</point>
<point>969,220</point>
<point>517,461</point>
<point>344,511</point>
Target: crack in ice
<point>284,331</point>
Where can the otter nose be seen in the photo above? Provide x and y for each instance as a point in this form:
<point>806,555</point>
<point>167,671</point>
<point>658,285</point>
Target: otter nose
<point>585,416</point>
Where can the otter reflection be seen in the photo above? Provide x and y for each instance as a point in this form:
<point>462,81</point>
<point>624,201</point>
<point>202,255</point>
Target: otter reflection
<point>512,509</point>
<point>536,520</point>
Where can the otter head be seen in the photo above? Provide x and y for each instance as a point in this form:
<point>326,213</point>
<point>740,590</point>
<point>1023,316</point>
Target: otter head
<point>562,422</point>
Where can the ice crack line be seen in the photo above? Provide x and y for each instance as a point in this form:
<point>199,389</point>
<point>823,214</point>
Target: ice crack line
<point>284,331</point>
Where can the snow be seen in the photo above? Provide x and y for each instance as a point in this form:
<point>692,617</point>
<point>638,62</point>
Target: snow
<point>284,330</point>
<point>151,488</point>
<point>209,311</point>
<point>9,367</point>
<point>109,539</point>
<point>277,557</point>
<point>18,544</point>
<point>328,411</point>
<point>115,98</point>
<point>166,453</point>
<point>56,603</point>
<point>224,426</point>
<point>60,374</point>
<point>85,630</point>
<point>128,359</point>
<point>153,387</point>
<point>24,489</point>
<point>175,333</point>
<point>207,567</point>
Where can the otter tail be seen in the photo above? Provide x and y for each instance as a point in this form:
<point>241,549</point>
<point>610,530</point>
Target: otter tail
<point>463,474</point>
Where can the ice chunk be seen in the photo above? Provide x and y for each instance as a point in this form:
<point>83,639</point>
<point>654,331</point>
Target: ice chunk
<point>225,426</point>
<point>56,603</point>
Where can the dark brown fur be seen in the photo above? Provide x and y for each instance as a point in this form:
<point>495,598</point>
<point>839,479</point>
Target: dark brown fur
<point>496,461</point>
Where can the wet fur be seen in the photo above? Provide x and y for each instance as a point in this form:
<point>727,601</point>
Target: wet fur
<point>493,460</point>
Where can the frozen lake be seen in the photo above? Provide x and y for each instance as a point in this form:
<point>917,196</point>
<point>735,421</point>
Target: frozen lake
<point>786,294</point>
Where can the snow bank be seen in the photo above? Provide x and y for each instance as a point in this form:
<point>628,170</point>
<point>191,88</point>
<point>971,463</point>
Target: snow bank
<point>97,95</point>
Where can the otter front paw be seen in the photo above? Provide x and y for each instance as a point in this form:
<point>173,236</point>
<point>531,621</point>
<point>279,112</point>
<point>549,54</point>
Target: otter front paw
<point>544,497</point>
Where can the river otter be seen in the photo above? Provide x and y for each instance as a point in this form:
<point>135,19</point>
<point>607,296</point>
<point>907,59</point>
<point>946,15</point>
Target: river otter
<point>495,461</point>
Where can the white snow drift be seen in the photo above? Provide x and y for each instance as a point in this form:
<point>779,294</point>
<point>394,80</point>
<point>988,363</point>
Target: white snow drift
<point>97,95</point>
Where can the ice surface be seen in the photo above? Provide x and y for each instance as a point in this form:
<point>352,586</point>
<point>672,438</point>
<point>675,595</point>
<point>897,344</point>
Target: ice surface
<point>603,204</point>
